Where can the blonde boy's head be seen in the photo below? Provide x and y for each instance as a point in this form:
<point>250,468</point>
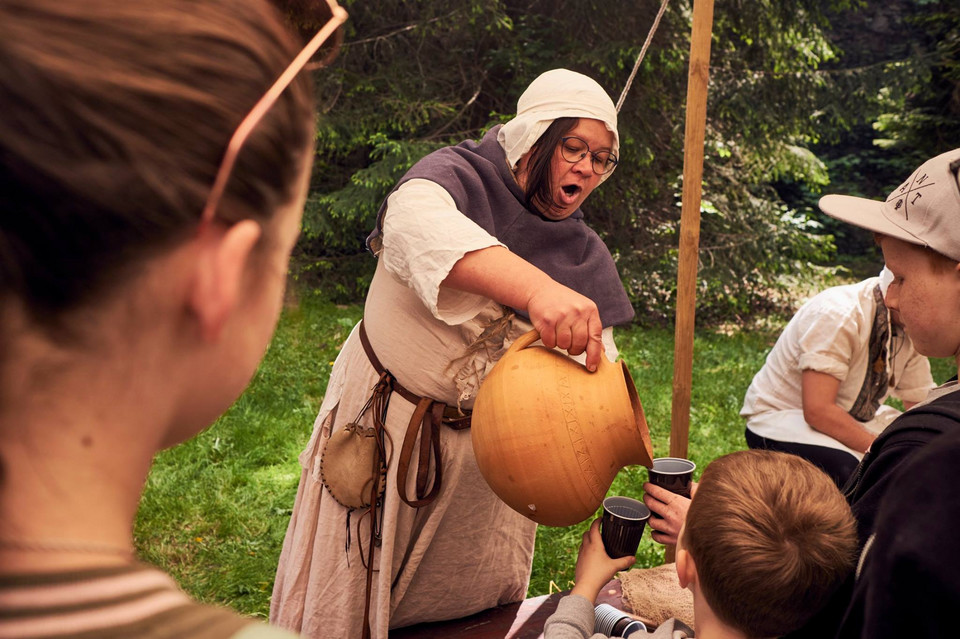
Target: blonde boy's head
<point>771,538</point>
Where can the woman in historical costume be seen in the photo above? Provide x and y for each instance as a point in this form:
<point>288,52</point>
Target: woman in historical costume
<point>476,245</point>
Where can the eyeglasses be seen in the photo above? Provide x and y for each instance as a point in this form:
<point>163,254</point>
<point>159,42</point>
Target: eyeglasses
<point>337,17</point>
<point>573,149</point>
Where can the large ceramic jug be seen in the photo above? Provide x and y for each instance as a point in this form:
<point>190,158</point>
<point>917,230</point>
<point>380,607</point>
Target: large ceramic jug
<point>549,436</point>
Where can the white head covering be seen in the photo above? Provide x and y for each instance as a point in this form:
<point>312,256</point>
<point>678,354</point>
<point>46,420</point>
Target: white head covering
<point>559,93</point>
<point>886,279</point>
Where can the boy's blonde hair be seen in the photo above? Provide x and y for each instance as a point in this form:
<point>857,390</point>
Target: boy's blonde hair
<point>771,537</point>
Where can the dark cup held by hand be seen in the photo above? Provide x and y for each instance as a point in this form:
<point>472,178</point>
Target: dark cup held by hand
<point>621,526</point>
<point>673,473</point>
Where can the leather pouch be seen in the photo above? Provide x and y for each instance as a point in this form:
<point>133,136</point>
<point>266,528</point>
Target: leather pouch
<point>349,465</point>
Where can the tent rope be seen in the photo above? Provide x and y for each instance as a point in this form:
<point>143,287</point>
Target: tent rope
<point>643,52</point>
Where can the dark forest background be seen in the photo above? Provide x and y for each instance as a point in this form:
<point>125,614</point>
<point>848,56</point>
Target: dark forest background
<point>806,97</point>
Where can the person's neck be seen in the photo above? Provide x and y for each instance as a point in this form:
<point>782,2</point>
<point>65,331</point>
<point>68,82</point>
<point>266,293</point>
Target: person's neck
<point>76,444</point>
<point>708,626</point>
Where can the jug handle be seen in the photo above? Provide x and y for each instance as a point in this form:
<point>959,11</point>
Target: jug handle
<point>523,341</point>
<point>531,336</point>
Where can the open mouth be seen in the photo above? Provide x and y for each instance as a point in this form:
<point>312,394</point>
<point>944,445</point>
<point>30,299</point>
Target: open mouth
<point>570,192</point>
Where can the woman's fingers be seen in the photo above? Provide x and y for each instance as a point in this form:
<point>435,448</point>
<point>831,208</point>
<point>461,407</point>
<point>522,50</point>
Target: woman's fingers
<point>594,345</point>
<point>565,339</point>
<point>568,320</point>
<point>548,335</point>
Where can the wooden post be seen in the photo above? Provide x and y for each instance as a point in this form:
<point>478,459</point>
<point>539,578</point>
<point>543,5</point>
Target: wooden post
<point>696,117</point>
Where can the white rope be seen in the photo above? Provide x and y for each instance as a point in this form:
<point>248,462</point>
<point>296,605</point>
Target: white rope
<point>643,52</point>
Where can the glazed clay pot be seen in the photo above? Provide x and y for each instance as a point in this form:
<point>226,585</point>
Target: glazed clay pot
<point>550,437</point>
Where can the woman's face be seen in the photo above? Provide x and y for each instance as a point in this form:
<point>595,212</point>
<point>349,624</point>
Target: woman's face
<point>243,342</point>
<point>573,182</point>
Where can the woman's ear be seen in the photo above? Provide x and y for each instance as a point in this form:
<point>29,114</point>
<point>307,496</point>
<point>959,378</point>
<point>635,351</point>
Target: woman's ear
<point>223,255</point>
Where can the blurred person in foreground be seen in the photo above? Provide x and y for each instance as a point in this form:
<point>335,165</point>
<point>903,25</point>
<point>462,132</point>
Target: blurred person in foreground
<point>144,245</point>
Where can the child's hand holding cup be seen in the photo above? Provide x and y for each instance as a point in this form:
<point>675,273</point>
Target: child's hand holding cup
<point>667,495</point>
<point>673,473</point>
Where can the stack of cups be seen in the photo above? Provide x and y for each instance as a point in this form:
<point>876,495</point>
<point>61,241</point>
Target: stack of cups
<point>612,622</point>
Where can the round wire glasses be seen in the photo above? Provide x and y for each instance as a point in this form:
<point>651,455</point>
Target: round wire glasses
<point>573,149</point>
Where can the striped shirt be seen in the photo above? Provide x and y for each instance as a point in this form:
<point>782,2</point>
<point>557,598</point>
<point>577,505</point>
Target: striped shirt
<point>114,603</point>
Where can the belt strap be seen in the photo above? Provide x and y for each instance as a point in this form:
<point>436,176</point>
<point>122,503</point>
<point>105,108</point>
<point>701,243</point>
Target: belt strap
<point>427,418</point>
<point>395,386</point>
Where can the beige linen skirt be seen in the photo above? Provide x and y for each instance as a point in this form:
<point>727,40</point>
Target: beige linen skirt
<point>465,552</point>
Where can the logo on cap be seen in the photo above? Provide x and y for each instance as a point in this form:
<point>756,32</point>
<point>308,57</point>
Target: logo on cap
<point>909,194</point>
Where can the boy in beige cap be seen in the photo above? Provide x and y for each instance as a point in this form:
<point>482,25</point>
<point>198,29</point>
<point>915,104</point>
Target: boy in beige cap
<point>918,229</point>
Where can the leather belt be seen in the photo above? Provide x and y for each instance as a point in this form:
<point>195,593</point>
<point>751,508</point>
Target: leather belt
<point>426,420</point>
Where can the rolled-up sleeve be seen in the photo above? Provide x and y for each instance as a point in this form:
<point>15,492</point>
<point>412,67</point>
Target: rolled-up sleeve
<point>916,381</point>
<point>827,343</point>
<point>424,235</point>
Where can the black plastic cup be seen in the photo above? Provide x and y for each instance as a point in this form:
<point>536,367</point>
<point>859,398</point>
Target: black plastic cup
<point>673,473</point>
<point>621,526</point>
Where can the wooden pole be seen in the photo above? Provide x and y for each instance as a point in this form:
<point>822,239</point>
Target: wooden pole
<point>696,118</point>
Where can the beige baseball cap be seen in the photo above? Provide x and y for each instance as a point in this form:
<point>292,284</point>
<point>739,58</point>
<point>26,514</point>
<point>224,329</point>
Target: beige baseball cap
<point>924,210</point>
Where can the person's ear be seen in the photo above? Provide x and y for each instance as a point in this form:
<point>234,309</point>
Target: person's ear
<point>223,255</point>
<point>686,568</point>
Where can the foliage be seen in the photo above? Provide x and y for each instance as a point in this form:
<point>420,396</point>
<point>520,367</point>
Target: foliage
<point>924,119</point>
<point>911,112</point>
<point>783,95</point>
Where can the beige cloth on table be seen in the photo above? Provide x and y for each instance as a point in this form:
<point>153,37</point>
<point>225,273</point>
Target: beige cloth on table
<point>654,595</point>
<point>466,551</point>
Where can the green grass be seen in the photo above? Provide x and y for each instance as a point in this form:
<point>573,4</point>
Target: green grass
<point>215,509</point>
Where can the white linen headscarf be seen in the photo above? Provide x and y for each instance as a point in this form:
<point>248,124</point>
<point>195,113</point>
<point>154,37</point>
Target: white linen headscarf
<point>886,279</point>
<point>559,93</point>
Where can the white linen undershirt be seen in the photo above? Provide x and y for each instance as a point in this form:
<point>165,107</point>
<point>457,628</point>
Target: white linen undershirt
<point>424,235</point>
<point>829,334</point>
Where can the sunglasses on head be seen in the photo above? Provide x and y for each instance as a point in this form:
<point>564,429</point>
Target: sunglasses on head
<point>337,17</point>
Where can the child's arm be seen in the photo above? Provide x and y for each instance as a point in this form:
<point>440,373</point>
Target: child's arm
<point>574,618</point>
<point>594,567</point>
